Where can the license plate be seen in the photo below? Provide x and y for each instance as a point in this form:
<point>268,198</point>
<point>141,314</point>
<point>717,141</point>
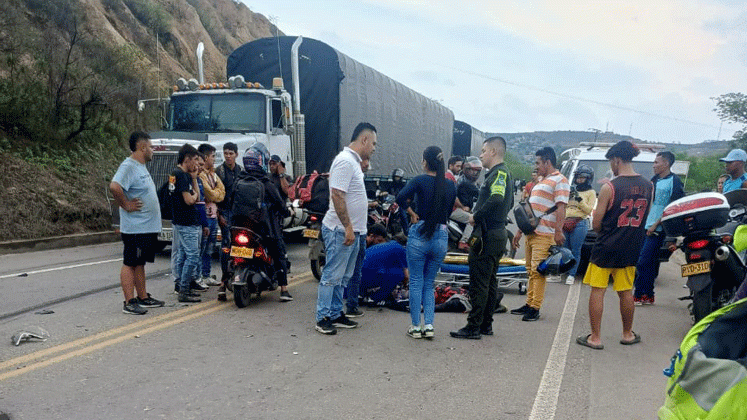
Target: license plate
<point>696,268</point>
<point>242,251</point>
<point>166,235</point>
<point>311,233</point>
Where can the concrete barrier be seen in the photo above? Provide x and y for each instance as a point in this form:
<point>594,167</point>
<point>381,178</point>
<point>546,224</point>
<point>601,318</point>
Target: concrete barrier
<point>56,242</point>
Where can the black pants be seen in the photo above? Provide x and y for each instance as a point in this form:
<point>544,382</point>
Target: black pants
<point>483,285</point>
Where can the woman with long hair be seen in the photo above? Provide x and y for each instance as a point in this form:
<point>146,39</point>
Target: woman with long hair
<point>428,239</point>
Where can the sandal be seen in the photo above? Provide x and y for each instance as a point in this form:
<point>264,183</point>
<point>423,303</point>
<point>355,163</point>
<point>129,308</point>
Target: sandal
<point>636,339</point>
<point>584,341</point>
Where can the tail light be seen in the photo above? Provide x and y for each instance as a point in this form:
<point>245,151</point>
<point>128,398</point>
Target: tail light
<point>241,238</point>
<point>313,218</point>
<point>699,244</point>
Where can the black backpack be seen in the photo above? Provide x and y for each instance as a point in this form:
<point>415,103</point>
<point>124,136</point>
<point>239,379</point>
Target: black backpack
<point>249,199</point>
<point>165,198</point>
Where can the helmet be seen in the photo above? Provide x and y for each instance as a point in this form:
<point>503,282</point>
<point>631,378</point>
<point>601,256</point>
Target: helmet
<point>471,168</point>
<point>586,171</point>
<point>256,157</point>
<point>558,262</point>
<point>398,175</point>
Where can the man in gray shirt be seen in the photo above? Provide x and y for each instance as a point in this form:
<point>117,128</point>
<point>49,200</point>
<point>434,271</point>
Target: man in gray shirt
<point>140,222</point>
<point>345,219</point>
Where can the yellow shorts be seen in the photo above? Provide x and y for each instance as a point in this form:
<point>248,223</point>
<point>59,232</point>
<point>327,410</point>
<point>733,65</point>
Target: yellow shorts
<point>622,278</point>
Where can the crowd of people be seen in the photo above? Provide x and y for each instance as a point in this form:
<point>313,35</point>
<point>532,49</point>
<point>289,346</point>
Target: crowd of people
<point>361,261</point>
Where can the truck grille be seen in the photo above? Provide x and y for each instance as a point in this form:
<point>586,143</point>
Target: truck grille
<point>161,166</point>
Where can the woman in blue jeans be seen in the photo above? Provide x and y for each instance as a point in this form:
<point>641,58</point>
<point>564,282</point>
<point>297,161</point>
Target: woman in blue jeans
<point>428,239</point>
<point>580,205</point>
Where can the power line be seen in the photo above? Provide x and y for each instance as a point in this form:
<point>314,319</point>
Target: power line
<point>574,97</point>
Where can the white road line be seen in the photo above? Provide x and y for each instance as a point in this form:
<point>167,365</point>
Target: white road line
<point>546,401</point>
<point>46,270</point>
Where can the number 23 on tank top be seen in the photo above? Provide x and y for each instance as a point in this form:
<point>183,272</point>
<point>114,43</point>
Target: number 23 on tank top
<point>637,207</point>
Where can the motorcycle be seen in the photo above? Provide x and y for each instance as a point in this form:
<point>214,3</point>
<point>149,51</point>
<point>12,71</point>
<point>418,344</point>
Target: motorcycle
<point>317,255</point>
<point>456,229</point>
<point>713,268</point>
<point>253,268</point>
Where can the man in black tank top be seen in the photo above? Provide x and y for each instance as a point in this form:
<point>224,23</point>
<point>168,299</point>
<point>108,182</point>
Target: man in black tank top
<point>619,220</point>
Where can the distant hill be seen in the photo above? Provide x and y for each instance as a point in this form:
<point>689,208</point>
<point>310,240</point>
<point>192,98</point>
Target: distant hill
<point>523,145</point>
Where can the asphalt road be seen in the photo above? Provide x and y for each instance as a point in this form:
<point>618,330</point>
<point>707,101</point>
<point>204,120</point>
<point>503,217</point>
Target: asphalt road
<point>213,360</point>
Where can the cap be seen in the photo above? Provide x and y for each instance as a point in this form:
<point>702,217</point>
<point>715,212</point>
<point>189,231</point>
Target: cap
<point>735,154</point>
<point>275,158</point>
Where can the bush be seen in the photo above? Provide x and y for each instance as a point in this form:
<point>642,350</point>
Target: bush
<point>151,14</point>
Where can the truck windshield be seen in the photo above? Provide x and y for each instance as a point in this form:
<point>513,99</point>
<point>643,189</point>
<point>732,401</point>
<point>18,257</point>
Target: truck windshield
<point>214,113</point>
<point>603,173</point>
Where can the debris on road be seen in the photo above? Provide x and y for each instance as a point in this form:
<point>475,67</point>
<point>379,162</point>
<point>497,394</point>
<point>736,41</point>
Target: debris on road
<point>29,333</point>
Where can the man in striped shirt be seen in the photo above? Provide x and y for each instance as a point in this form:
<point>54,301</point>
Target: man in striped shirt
<point>553,190</point>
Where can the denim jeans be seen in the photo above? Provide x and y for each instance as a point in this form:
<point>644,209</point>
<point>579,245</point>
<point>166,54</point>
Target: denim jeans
<point>176,259</point>
<point>206,247</point>
<point>337,271</point>
<point>647,268</point>
<point>424,257</point>
<point>188,253</point>
<point>574,240</point>
<point>352,292</point>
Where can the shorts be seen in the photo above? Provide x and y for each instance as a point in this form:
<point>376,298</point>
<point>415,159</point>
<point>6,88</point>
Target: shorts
<point>139,248</point>
<point>622,278</point>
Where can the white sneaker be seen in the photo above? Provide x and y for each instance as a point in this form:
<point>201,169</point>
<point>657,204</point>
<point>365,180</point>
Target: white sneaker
<point>212,281</point>
<point>553,279</point>
<point>201,282</point>
<point>570,280</point>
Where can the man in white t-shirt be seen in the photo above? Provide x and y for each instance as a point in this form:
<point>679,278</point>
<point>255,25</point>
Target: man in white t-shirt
<point>344,222</point>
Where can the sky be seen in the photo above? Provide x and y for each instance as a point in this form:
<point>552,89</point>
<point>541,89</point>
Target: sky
<point>643,68</point>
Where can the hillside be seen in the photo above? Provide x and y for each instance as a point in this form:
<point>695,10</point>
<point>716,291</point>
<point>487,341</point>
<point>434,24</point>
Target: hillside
<point>523,145</point>
<point>81,66</point>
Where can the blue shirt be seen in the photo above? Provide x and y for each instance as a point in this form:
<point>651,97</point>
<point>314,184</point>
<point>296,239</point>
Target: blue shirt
<point>389,258</point>
<point>734,184</point>
<point>666,190</point>
<point>136,182</point>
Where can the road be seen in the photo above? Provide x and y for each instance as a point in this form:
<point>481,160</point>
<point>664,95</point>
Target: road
<point>213,360</point>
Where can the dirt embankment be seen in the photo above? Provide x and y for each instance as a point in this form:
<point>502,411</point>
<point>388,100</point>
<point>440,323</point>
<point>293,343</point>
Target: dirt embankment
<point>38,202</point>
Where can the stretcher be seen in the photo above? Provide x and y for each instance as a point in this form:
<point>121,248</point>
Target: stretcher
<point>455,270</point>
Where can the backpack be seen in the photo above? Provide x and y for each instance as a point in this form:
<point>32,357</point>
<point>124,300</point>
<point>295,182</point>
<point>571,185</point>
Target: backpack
<point>249,199</point>
<point>165,197</point>
<point>525,218</point>
<point>708,373</point>
<point>312,191</point>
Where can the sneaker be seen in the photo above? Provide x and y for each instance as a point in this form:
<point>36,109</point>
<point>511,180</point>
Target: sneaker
<point>201,282</point>
<point>466,332</point>
<point>222,296</point>
<point>133,308</point>
<point>285,296</point>
<point>414,331</point>
<point>197,286</point>
<point>570,280</point>
<point>486,330</point>
<point>553,279</point>
<point>212,281</point>
<point>354,313</point>
<point>649,300</point>
<point>531,315</point>
<point>149,302</point>
<point>188,298</point>
<point>428,332</point>
<point>638,301</point>
<point>520,311</point>
<point>191,292</point>
<point>343,322</point>
<point>325,327</point>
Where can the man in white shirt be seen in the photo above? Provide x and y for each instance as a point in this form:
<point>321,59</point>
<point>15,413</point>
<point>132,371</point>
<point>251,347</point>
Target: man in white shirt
<point>344,222</point>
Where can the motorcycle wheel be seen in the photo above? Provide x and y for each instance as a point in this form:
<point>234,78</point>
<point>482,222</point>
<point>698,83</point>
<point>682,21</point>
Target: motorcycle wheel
<point>702,304</point>
<point>317,266</point>
<point>241,296</point>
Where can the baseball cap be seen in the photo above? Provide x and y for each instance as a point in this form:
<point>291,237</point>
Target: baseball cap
<point>735,154</point>
<point>276,158</point>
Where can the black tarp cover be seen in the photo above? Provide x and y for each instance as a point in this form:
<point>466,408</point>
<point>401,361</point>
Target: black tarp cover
<point>337,93</point>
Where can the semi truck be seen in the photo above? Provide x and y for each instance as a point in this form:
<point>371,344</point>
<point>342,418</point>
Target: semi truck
<point>467,140</point>
<point>306,126</point>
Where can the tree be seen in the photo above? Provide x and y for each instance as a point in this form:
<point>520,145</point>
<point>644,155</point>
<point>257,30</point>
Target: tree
<point>732,107</point>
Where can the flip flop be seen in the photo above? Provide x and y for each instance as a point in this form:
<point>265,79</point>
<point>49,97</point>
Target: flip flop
<point>636,339</point>
<point>584,341</point>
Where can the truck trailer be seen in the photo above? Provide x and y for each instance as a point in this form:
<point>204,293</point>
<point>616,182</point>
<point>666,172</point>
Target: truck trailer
<point>467,140</point>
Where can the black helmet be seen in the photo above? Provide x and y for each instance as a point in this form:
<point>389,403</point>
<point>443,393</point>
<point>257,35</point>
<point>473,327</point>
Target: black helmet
<point>558,262</point>
<point>256,157</point>
<point>585,171</point>
<point>398,175</point>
